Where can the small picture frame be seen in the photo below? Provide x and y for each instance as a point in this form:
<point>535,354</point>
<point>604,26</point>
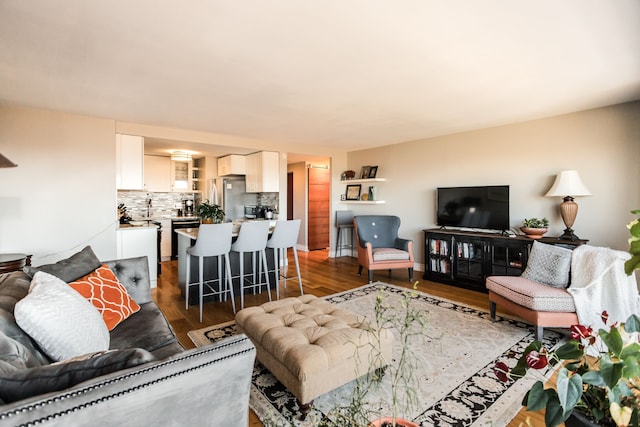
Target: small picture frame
<point>364,172</point>
<point>353,191</point>
<point>373,171</point>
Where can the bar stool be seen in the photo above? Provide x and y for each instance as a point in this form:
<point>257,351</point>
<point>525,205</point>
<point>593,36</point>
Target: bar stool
<point>285,235</point>
<point>344,221</point>
<point>252,238</point>
<point>214,240</point>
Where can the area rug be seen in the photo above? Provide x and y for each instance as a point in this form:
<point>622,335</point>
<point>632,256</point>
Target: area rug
<point>457,383</point>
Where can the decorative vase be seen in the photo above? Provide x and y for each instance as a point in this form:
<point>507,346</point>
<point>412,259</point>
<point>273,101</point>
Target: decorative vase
<point>207,220</point>
<point>388,421</point>
<point>534,233</point>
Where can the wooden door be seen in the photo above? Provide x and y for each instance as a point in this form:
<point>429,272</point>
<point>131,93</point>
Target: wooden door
<point>318,208</point>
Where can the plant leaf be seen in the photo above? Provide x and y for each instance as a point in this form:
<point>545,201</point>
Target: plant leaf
<point>554,414</point>
<point>569,389</point>
<point>612,339</point>
<point>537,398</point>
<point>593,378</point>
<point>632,324</point>
<point>570,351</point>
<point>611,372</point>
<point>521,367</point>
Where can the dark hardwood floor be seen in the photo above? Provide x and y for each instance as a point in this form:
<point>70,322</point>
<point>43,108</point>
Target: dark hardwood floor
<point>320,276</point>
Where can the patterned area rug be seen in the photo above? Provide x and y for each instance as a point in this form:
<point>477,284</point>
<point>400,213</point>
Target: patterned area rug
<point>457,384</point>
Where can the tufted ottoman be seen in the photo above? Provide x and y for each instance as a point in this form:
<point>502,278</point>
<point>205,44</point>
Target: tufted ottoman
<point>311,345</point>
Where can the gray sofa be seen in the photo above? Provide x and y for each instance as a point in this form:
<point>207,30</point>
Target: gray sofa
<point>150,379</point>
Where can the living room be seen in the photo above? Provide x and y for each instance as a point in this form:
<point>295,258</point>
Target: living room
<point>62,196</point>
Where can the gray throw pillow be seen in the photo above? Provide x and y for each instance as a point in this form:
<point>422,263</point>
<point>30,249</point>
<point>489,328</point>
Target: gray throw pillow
<point>549,265</point>
<point>17,384</point>
<point>76,266</point>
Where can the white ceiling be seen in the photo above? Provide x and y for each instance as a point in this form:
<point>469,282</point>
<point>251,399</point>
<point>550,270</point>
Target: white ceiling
<point>344,73</point>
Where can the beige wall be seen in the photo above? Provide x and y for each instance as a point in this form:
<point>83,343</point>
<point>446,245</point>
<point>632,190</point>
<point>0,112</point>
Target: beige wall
<point>603,145</point>
<point>62,195</point>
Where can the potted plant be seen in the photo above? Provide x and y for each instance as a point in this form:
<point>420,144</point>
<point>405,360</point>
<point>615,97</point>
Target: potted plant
<point>605,388</point>
<point>210,213</point>
<point>409,323</point>
<point>535,228</point>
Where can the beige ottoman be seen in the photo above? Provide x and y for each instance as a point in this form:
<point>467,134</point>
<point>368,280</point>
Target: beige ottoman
<point>312,346</point>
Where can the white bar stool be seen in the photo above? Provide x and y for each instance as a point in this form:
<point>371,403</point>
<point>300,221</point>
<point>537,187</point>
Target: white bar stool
<point>214,240</point>
<point>252,238</point>
<point>285,235</point>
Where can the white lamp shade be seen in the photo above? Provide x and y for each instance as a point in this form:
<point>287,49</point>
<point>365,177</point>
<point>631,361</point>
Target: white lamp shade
<point>568,183</point>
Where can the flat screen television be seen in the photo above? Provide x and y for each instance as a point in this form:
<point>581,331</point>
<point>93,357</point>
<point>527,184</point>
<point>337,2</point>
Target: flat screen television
<point>485,207</point>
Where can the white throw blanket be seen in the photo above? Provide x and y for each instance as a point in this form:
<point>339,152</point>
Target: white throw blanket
<point>598,283</point>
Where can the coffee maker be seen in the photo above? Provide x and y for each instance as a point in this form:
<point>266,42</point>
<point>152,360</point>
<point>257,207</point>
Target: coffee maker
<point>188,207</point>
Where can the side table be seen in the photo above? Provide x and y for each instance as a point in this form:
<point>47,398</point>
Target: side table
<point>13,262</point>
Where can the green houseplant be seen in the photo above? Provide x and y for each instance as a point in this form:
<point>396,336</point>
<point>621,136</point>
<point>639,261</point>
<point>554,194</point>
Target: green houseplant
<point>210,213</point>
<point>634,245</point>
<point>606,387</point>
<point>535,228</point>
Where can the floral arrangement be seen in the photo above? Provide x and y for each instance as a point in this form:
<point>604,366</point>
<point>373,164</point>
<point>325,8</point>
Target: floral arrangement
<point>606,387</point>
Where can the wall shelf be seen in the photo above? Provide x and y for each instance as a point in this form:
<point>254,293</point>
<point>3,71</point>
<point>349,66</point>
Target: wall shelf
<point>361,181</point>
<point>364,202</point>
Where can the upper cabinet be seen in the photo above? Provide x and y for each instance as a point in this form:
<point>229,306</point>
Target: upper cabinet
<point>181,176</point>
<point>232,165</point>
<point>263,172</point>
<point>129,162</point>
<point>157,173</point>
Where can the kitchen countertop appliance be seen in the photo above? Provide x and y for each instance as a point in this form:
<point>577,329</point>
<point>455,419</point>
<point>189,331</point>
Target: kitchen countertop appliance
<point>177,223</point>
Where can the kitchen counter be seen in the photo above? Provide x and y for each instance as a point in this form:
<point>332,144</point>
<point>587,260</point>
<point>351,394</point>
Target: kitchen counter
<point>135,227</point>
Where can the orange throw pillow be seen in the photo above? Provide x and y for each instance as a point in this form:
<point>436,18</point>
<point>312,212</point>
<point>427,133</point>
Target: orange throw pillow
<point>103,289</point>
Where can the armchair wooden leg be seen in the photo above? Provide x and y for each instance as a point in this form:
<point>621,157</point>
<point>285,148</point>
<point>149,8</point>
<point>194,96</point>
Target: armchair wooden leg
<point>370,276</point>
<point>359,270</point>
<point>410,274</point>
<point>492,310</point>
<point>539,333</point>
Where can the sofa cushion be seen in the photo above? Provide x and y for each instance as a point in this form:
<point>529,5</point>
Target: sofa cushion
<point>13,287</point>
<point>549,265</point>
<point>389,254</point>
<point>530,294</point>
<point>60,320</point>
<point>70,269</point>
<point>147,329</point>
<point>17,354</point>
<point>103,289</point>
<point>16,384</point>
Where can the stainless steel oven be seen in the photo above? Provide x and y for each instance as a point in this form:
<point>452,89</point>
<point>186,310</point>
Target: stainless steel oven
<point>177,223</point>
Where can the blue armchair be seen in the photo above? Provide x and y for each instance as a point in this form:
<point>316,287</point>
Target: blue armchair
<point>379,247</point>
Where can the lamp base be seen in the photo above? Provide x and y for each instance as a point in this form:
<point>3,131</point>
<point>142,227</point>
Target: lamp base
<point>568,235</point>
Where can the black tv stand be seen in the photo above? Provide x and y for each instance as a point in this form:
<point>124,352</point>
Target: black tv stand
<point>465,258</point>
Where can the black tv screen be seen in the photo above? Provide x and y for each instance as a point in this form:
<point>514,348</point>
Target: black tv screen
<point>485,207</point>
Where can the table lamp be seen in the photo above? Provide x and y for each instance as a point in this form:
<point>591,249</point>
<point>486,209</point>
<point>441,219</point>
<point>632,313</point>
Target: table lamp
<point>568,185</point>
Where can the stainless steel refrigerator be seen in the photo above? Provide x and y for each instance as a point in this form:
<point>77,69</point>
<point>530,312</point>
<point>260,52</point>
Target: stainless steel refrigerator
<point>234,197</point>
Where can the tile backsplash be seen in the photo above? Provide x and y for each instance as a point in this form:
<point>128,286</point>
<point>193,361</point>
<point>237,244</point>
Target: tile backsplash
<point>166,205</point>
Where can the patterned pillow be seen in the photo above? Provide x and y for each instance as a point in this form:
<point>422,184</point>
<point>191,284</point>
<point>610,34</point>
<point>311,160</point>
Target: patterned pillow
<point>103,289</point>
<point>549,265</point>
<point>56,317</point>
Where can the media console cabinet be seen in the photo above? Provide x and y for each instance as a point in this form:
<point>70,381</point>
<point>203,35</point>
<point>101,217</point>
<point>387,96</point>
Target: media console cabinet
<point>466,258</point>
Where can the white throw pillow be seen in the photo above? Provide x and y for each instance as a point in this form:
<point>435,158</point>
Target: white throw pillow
<point>549,265</point>
<point>60,320</point>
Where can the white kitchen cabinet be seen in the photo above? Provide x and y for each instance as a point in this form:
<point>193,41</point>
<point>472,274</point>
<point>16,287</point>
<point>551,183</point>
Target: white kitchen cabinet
<point>263,172</point>
<point>233,164</point>
<point>129,162</point>
<point>139,241</point>
<point>181,180</point>
<point>165,242</point>
<point>157,173</point>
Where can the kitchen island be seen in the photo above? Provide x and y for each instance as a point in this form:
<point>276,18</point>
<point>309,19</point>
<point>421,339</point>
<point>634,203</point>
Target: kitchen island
<point>139,240</point>
<point>187,237</point>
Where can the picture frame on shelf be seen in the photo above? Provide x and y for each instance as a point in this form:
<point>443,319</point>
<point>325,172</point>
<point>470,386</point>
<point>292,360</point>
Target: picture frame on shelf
<point>353,191</point>
<point>364,172</point>
<point>373,171</point>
